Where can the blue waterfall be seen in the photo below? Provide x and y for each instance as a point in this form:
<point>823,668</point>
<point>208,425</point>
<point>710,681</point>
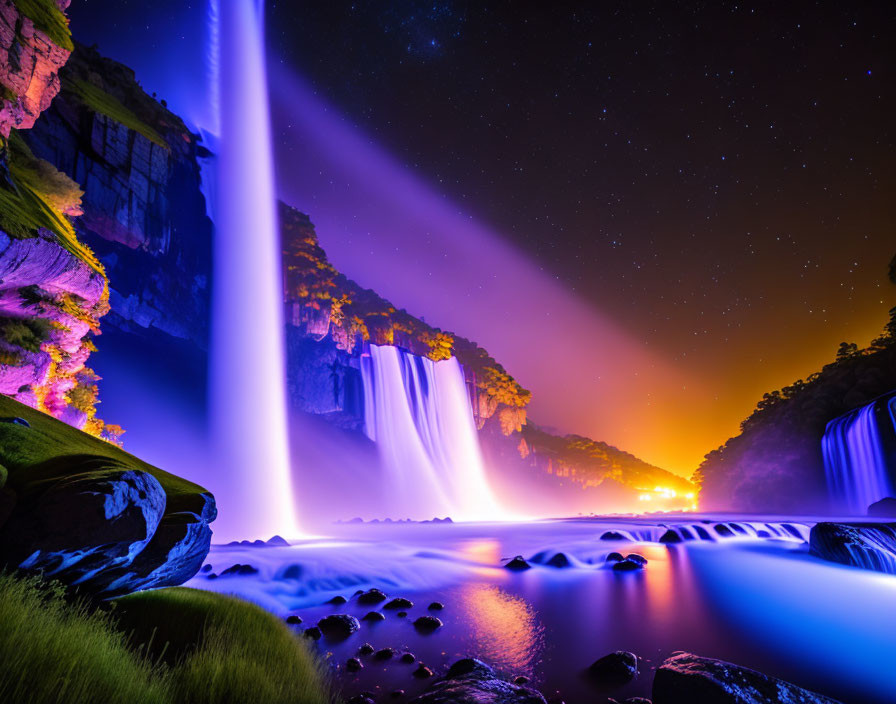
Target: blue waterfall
<point>856,456</point>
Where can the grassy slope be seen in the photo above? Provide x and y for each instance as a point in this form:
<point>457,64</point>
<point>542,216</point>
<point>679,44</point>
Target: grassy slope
<point>54,650</point>
<point>49,19</point>
<point>23,450</point>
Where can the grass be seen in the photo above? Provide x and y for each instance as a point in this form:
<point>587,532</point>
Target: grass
<point>49,19</point>
<point>102,102</point>
<point>50,447</point>
<point>55,650</point>
<point>27,204</point>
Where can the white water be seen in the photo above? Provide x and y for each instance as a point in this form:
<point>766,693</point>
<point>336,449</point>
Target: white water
<point>247,374</point>
<point>418,413</point>
<point>855,465</point>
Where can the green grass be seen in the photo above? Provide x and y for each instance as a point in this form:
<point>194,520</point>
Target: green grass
<point>50,448</point>
<point>27,204</point>
<point>100,101</point>
<point>243,655</point>
<point>49,19</point>
<point>56,651</point>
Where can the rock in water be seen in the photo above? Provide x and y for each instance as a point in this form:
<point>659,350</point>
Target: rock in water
<point>470,681</point>
<point>399,603</point>
<point>627,565</point>
<point>612,535</point>
<point>885,508</point>
<point>616,668</point>
<point>670,536</point>
<point>371,596</point>
<point>517,564</point>
<point>559,560</point>
<point>338,625</point>
<point>690,678</point>
<point>871,546</point>
<point>427,624</point>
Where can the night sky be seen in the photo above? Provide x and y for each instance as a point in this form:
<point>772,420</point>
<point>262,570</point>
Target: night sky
<point>716,181</point>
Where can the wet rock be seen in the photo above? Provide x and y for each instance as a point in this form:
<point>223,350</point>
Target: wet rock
<point>372,596</point>
<point>520,680</point>
<point>885,508</point>
<point>613,535</point>
<point>365,649</point>
<point>627,565</point>
<point>517,564</point>
<point>723,530</point>
<point>338,625</point>
<point>293,619</point>
<point>436,606</point>
<point>398,603</point>
<point>471,681</point>
<point>690,678</point>
<point>614,557</point>
<point>871,546</point>
<point>374,616</point>
<point>206,568</point>
<point>408,658</point>
<point>353,664</point>
<point>402,614</point>
<point>559,560</point>
<point>763,534</point>
<point>241,570</point>
<point>427,624</point>
<point>615,668</point>
<point>635,557</point>
<point>338,599</point>
<point>384,654</point>
<point>669,537</point>
<point>313,632</point>
<point>422,672</point>
<point>702,533</point>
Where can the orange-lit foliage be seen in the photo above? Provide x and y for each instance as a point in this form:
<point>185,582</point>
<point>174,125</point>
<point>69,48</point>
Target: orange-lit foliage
<point>323,298</point>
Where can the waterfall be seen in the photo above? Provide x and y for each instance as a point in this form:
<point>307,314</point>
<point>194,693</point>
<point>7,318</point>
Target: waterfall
<point>855,458</point>
<point>419,414</point>
<point>246,367</point>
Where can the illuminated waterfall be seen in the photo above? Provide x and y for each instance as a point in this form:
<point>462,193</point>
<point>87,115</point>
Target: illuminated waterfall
<point>418,413</point>
<point>247,372</point>
<point>855,457</point>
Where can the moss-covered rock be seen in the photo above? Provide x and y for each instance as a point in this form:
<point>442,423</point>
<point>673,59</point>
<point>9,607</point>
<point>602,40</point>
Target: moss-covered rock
<point>88,513</point>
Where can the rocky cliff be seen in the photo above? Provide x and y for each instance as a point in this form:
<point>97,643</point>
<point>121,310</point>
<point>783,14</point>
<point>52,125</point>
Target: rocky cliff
<point>52,288</point>
<point>144,213</point>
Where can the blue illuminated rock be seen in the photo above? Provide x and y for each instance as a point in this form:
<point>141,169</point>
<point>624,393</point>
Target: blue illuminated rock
<point>871,546</point>
<point>470,681</point>
<point>690,678</point>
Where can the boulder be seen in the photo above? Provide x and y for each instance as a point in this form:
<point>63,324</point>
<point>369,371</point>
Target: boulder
<point>371,596</point>
<point>84,512</point>
<point>384,654</point>
<point>436,606</point>
<point>627,565</point>
<point>338,625</point>
<point>470,681</point>
<point>517,564</point>
<point>670,537</point>
<point>365,649</point>
<point>374,616</point>
<point>885,508</point>
<point>559,560</point>
<point>697,680</point>
<point>871,546</point>
<point>613,535</point>
<point>635,557</point>
<point>615,668</point>
<point>398,603</point>
<point>353,665</point>
<point>614,557</point>
<point>427,624</point>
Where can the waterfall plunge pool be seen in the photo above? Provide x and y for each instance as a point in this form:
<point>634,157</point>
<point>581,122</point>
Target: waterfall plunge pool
<point>761,602</point>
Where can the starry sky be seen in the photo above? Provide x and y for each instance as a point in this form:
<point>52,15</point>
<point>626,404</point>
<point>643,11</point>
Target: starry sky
<point>713,181</point>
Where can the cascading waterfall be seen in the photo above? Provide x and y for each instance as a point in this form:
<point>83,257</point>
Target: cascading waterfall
<point>247,368</point>
<point>855,457</point>
<point>418,413</point>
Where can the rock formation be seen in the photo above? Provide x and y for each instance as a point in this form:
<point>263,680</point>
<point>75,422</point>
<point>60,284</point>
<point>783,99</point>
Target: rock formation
<point>86,513</point>
<point>871,546</point>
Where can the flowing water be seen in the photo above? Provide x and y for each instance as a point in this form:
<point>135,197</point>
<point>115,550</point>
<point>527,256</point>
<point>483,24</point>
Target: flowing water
<point>856,465</point>
<point>418,413</point>
<point>744,590</point>
<point>247,375</point>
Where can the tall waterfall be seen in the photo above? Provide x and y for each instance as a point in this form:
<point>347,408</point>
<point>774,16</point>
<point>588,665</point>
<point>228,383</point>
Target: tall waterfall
<point>855,457</point>
<point>247,368</point>
<point>418,413</point>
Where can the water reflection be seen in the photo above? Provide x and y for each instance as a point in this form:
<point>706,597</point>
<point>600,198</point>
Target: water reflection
<point>504,629</point>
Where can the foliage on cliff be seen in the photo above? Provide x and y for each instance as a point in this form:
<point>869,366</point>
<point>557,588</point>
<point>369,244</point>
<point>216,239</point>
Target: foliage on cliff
<point>775,463</point>
<point>325,302</point>
<point>591,462</point>
<point>49,19</point>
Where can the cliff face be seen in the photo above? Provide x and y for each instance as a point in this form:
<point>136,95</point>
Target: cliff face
<point>32,50</point>
<point>52,288</point>
<point>143,209</point>
<point>775,464</point>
